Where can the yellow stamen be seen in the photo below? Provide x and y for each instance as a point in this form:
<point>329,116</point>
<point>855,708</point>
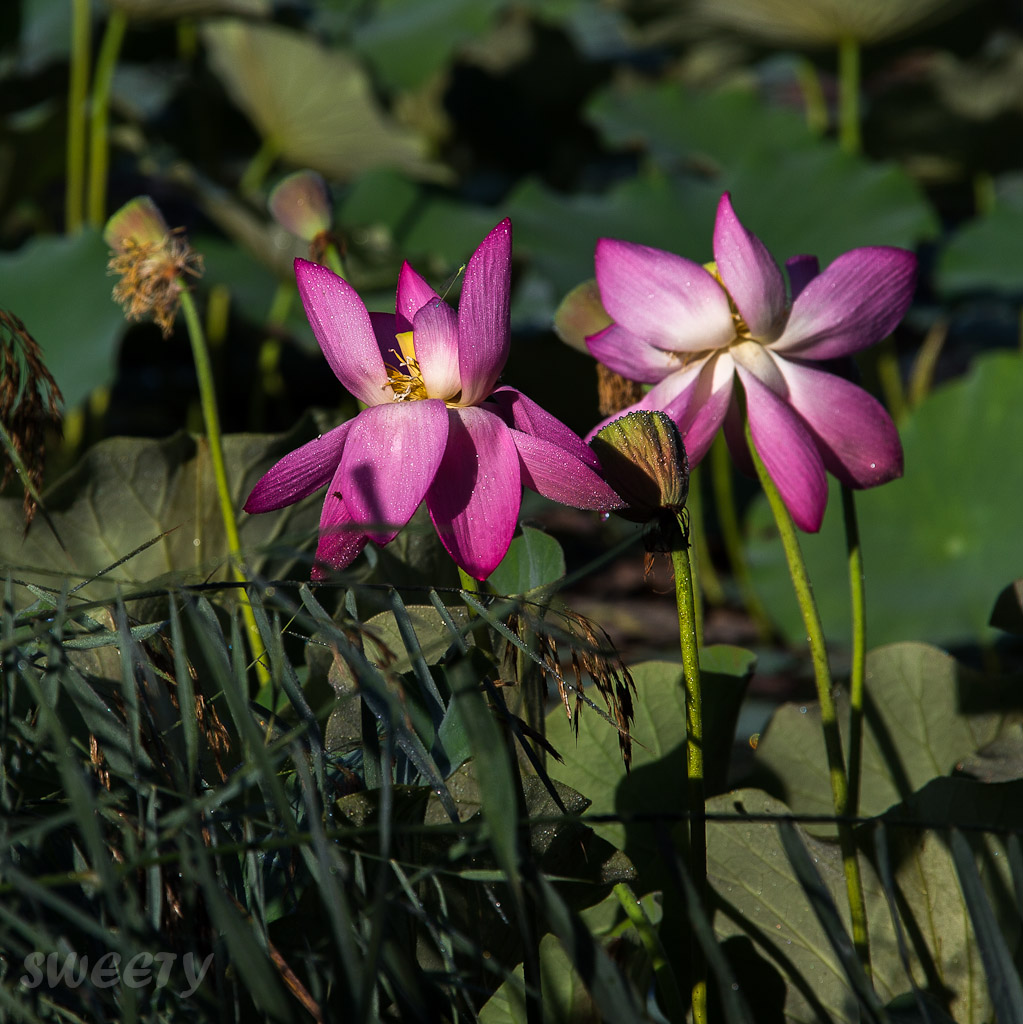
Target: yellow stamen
<point>407,386</point>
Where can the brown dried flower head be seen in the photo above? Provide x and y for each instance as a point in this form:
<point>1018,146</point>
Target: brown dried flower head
<point>29,399</point>
<point>152,260</point>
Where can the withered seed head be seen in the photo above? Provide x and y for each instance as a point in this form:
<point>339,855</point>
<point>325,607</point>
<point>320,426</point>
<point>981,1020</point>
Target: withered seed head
<point>29,404</point>
<point>151,260</point>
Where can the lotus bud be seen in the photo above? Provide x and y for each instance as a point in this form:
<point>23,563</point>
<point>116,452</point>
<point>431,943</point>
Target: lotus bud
<point>645,461</point>
<point>300,203</point>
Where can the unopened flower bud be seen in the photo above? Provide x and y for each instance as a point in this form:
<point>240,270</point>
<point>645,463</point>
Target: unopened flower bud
<point>300,203</point>
<point>645,461</point>
<point>152,261</point>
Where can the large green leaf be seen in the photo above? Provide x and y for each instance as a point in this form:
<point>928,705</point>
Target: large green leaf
<point>60,288</point>
<point>799,193</point>
<point>656,783</point>
<point>940,543</point>
<point>534,560</point>
<point>408,41</point>
<point>565,998</point>
<point>926,713</point>
<point>778,945</point>
<point>125,492</point>
<point>984,255</point>
<point>313,105</point>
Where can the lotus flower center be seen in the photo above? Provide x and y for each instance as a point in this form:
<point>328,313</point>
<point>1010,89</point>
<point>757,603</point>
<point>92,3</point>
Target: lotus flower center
<point>742,331</point>
<point>405,378</point>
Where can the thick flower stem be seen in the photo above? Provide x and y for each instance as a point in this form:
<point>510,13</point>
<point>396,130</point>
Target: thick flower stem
<point>211,419</point>
<point>694,753</point>
<point>99,115</point>
<point>857,671</point>
<point>849,95</point>
<point>473,586</point>
<point>829,719</point>
<point>78,87</point>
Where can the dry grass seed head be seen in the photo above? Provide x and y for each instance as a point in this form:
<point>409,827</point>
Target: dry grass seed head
<point>29,405</point>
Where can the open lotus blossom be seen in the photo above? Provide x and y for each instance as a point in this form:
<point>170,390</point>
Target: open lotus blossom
<point>691,331</point>
<point>435,427</point>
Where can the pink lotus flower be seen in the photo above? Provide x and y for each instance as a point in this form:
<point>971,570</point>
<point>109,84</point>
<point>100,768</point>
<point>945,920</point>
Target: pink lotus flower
<point>435,426</point>
<point>690,331</point>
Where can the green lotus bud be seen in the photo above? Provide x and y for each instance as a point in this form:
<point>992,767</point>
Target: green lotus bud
<point>645,461</point>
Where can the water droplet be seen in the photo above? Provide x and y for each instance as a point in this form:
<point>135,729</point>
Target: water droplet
<point>802,710</point>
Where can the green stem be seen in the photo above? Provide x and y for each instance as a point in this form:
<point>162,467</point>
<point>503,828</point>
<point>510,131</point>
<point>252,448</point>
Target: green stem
<point>211,419</point>
<point>813,97</point>
<point>333,258</point>
<point>708,583</point>
<point>473,586</point>
<point>857,670</point>
<point>694,754</point>
<point>849,95</point>
<point>269,382</point>
<point>78,87</point>
<point>99,121</point>
<point>829,719</point>
<point>889,377</point>
<point>731,535</point>
<point>259,168</point>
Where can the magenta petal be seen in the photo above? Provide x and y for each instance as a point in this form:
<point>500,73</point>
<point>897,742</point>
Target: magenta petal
<point>389,461</point>
<point>300,472</point>
<point>749,273</point>
<point>341,539</point>
<point>788,451</point>
<point>699,412</point>
<point>632,356</point>
<point>484,326</point>
<point>343,329</point>
<point>524,414</point>
<point>855,435</point>
<point>435,336</point>
<point>474,499</point>
<point>668,301</point>
<point>385,327</point>
<point>558,475</point>
<point>413,294</point>
<point>854,303</point>
<point>802,270</point>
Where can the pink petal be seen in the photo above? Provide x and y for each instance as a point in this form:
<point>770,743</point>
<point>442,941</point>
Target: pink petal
<point>632,356</point>
<point>435,337</point>
<point>474,499</point>
<point>385,327</point>
<point>749,273</point>
<point>300,472</point>
<point>341,539</point>
<point>802,270</point>
<point>855,436</point>
<point>854,303</point>
<point>484,326</point>
<point>389,461</point>
<point>700,410</point>
<point>343,329</point>
<point>669,302</point>
<point>660,396</point>
<point>413,294</point>
<point>524,414</point>
<point>788,451</point>
<point>558,475</point>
